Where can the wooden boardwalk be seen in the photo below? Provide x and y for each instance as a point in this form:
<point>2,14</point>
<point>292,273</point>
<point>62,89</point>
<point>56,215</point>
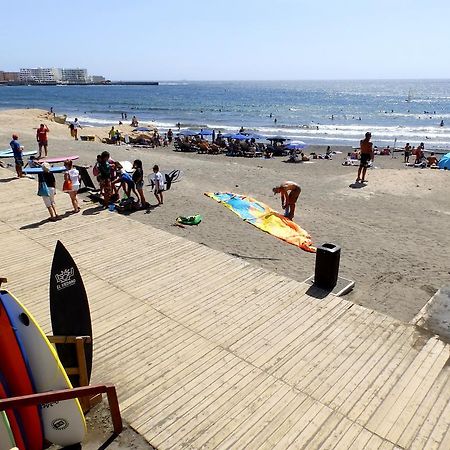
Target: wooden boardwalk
<point>208,351</point>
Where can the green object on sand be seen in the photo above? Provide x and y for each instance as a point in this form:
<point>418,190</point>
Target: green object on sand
<point>190,220</point>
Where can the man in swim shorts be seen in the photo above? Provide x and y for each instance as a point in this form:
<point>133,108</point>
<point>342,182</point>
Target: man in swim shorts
<point>42,139</point>
<point>289,194</point>
<point>366,155</point>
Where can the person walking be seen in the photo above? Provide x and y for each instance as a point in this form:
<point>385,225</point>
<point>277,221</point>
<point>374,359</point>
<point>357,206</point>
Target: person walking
<point>366,155</point>
<point>159,184</point>
<point>72,180</point>
<point>74,128</point>
<point>47,190</point>
<point>42,139</point>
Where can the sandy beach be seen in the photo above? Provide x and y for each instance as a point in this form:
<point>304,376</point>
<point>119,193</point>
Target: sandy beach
<point>392,231</point>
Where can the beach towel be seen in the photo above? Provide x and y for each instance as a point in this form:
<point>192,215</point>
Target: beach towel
<point>265,218</point>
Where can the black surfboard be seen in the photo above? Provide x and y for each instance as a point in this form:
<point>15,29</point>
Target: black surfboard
<point>69,308</point>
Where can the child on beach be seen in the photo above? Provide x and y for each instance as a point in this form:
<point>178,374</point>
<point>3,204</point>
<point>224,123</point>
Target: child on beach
<point>138,178</point>
<point>73,176</point>
<point>125,180</point>
<point>159,184</point>
<point>104,176</point>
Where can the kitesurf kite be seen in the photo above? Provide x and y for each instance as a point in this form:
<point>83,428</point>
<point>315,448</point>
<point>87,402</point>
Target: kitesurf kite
<point>265,218</point>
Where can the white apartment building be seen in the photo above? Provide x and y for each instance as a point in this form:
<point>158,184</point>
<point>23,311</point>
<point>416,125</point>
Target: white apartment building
<point>74,75</point>
<point>39,75</point>
<point>53,75</point>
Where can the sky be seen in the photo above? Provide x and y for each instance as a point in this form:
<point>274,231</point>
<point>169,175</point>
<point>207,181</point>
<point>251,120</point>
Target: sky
<point>231,39</point>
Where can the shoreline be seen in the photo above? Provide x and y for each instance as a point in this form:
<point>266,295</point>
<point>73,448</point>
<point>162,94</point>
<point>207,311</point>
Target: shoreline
<point>376,226</point>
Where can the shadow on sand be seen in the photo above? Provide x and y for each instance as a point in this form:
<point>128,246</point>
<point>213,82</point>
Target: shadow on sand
<point>357,185</point>
<point>31,226</point>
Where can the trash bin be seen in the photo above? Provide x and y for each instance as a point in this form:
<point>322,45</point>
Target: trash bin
<point>327,266</point>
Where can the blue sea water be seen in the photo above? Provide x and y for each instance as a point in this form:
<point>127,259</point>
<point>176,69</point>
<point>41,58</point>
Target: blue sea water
<point>319,112</point>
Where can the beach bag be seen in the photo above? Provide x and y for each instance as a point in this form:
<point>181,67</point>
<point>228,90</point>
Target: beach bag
<point>43,190</point>
<point>67,186</point>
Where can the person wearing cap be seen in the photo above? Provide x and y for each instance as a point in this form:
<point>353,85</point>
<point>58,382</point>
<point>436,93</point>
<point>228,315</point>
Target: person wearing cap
<point>18,155</point>
<point>49,201</point>
<point>290,192</point>
<point>366,155</point>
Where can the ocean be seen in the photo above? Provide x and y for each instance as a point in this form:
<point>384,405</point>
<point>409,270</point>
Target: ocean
<point>316,112</point>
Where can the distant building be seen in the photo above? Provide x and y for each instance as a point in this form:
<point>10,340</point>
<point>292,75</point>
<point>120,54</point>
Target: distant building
<point>74,76</point>
<point>39,75</point>
<point>98,79</point>
<point>6,77</point>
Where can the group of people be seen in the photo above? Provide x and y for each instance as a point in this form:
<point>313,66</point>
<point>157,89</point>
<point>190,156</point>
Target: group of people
<point>112,177</point>
<point>47,186</point>
<point>419,154</point>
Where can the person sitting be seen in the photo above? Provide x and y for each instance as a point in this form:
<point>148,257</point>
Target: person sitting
<point>432,160</point>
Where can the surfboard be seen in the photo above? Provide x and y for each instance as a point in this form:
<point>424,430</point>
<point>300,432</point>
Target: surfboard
<point>127,166</point>
<point>6,437</point>
<point>14,370</point>
<point>11,154</point>
<point>58,159</point>
<point>31,170</point>
<point>62,422</point>
<point>69,308</point>
<point>12,419</point>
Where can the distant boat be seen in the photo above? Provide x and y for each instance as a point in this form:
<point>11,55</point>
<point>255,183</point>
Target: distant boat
<point>410,96</point>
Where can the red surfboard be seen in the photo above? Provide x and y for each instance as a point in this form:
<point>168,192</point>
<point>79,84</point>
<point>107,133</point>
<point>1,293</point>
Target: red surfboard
<point>12,418</point>
<point>14,370</point>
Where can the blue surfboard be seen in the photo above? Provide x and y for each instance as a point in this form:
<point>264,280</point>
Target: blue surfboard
<point>10,154</point>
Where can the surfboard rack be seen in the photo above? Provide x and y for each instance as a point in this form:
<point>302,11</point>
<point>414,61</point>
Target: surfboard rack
<point>81,369</point>
<point>66,394</point>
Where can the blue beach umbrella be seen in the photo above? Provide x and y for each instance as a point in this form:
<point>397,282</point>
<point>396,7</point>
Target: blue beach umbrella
<point>205,132</point>
<point>240,137</point>
<point>188,133</point>
<point>298,145</point>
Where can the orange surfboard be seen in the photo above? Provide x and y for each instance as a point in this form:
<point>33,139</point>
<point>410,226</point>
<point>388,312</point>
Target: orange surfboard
<point>14,370</point>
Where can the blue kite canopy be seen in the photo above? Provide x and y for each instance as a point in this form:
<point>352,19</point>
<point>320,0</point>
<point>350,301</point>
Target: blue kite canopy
<point>188,133</point>
<point>142,129</point>
<point>444,162</point>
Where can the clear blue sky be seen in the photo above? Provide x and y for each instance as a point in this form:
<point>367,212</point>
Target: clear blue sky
<point>231,39</point>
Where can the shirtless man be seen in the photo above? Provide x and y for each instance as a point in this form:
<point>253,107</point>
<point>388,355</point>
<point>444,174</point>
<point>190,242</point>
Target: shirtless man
<point>366,155</point>
<point>289,194</point>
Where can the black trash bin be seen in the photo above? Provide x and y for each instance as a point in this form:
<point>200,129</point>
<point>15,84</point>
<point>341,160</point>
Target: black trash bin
<point>327,266</point>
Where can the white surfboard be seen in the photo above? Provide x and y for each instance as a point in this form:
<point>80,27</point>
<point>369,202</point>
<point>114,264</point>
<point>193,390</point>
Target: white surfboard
<point>6,437</point>
<point>62,422</point>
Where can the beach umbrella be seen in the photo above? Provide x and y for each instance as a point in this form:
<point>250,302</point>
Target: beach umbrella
<point>444,162</point>
<point>188,133</point>
<point>298,145</point>
<point>142,129</point>
<point>205,132</point>
<point>239,136</point>
<point>277,138</point>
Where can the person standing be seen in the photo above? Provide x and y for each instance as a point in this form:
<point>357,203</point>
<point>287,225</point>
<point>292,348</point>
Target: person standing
<point>138,178</point>
<point>159,184</point>
<point>18,155</point>
<point>290,192</point>
<point>48,179</point>
<point>74,128</point>
<point>170,135</point>
<point>42,139</point>
<point>366,155</point>
<point>407,152</point>
<point>73,176</point>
